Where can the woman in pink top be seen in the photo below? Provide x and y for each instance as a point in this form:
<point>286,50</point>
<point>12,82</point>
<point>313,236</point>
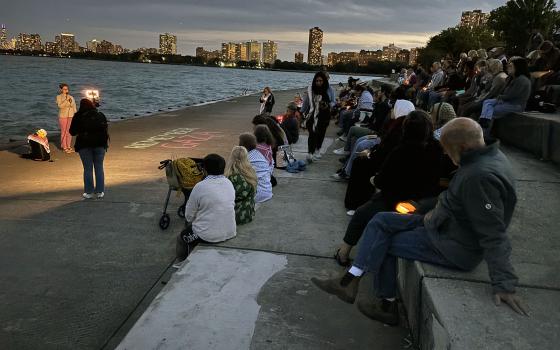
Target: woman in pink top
<point>66,110</point>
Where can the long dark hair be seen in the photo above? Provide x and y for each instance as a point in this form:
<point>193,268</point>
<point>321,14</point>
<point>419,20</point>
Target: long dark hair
<point>521,67</point>
<point>263,135</point>
<point>86,105</point>
<point>417,128</point>
<point>323,88</point>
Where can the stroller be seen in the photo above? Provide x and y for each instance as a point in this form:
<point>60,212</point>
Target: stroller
<point>176,183</point>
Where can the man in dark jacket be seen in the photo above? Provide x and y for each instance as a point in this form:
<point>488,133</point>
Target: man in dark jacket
<point>467,225</point>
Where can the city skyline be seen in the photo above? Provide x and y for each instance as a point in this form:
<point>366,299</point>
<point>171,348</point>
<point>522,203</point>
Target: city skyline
<point>139,23</point>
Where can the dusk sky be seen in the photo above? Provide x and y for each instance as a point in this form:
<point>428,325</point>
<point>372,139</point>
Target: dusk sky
<point>358,24</point>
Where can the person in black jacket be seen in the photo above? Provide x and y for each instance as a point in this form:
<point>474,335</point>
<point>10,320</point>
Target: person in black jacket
<point>267,101</point>
<point>290,123</point>
<point>411,171</point>
<point>92,137</point>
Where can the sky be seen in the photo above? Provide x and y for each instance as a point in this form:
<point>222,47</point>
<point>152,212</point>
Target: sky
<point>348,25</point>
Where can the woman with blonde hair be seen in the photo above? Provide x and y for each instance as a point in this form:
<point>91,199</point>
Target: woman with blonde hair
<point>244,179</point>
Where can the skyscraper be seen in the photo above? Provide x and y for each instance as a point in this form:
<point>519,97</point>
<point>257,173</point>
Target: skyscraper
<point>298,58</point>
<point>67,43</point>
<point>314,51</point>
<point>473,19</point>
<point>242,52</point>
<point>269,52</point>
<point>3,37</point>
<point>253,51</point>
<point>167,44</point>
<point>28,42</point>
<point>229,52</point>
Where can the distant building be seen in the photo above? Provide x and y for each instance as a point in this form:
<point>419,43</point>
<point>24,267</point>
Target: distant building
<point>334,58</point>
<point>365,57</point>
<point>28,42</point>
<point>92,45</point>
<point>298,58</point>
<point>207,55</point>
<point>413,58</point>
<point>52,48</point>
<point>67,43</point>
<point>3,37</point>
<point>119,50</point>
<point>315,46</point>
<point>390,52</point>
<point>254,51</point>
<point>473,19</point>
<point>229,51</point>
<point>242,52</point>
<point>167,44</point>
<point>147,51</point>
<point>106,47</point>
<point>269,52</point>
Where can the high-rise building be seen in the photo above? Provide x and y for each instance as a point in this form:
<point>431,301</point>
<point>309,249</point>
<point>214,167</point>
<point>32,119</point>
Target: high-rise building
<point>28,42</point>
<point>365,57</point>
<point>269,52</point>
<point>242,52</point>
<point>314,50</point>
<point>67,43</point>
<point>229,51</point>
<point>343,57</point>
<point>390,52</point>
<point>473,19</point>
<point>52,48</point>
<point>92,45</point>
<point>298,58</point>
<point>253,51</point>
<point>167,44</point>
<point>413,59</point>
<point>3,37</point>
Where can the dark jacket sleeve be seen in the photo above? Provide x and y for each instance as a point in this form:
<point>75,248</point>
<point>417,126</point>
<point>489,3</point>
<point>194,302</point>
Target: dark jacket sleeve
<point>75,126</point>
<point>485,210</point>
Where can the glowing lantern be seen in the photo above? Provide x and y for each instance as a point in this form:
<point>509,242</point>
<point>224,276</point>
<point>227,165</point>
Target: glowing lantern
<point>406,207</point>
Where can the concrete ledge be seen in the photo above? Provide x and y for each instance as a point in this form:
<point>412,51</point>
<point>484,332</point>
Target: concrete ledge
<point>534,132</point>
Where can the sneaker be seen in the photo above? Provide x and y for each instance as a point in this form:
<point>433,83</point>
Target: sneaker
<point>380,310</point>
<point>350,212</point>
<point>341,152</point>
<point>340,176</point>
<point>100,195</point>
<point>318,155</point>
<point>310,158</point>
<point>342,138</point>
<point>315,158</point>
<point>87,195</point>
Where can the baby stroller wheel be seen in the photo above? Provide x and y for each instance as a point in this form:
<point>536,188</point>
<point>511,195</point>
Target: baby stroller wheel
<point>164,221</point>
<point>181,211</point>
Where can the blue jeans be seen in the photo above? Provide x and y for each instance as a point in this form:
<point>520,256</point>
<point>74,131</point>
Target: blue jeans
<point>92,158</point>
<point>361,144</point>
<point>494,109</point>
<point>389,236</point>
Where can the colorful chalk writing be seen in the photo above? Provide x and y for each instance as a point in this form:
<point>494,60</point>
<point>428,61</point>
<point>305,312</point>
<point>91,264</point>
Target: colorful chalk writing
<point>181,138</point>
<point>156,140</point>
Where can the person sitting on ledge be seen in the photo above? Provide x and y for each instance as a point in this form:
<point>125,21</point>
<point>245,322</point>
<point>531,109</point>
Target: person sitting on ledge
<point>261,166</point>
<point>468,224</point>
<point>290,123</point>
<point>209,213</point>
<point>244,179</point>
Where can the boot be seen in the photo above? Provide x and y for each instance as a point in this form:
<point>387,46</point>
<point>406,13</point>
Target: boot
<point>381,310</point>
<point>335,287</point>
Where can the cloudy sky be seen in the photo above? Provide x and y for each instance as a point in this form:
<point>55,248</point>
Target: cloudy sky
<point>347,24</point>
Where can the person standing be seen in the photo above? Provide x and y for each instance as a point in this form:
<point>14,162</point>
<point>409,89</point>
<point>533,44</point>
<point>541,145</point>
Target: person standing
<point>267,101</point>
<point>92,137</point>
<point>66,110</point>
<point>317,109</point>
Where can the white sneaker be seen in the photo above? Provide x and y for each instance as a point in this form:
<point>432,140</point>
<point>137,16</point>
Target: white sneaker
<point>318,155</point>
<point>100,195</point>
<point>342,138</point>
<point>350,212</point>
<point>178,264</point>
<point>341,152</point>
<point>87,195</point>
<point>315,158</point>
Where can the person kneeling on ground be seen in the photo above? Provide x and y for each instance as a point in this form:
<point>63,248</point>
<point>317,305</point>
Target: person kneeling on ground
<point>468,224</point>
<point>261,166</point>
<point>244,179</point>
<point>210,213</point>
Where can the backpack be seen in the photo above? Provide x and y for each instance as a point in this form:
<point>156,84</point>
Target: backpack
<point>187,172</point>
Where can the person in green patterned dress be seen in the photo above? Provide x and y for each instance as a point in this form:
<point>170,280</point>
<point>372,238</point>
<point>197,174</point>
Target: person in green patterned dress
<point>244,179</point>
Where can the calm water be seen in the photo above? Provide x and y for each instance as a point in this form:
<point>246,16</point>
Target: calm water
<point>29,86</point>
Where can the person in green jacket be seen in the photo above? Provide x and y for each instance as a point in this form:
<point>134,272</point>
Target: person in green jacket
<point>244,179</point>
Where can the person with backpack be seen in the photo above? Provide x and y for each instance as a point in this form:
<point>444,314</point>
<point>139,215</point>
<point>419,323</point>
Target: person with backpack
<point>92,140</point>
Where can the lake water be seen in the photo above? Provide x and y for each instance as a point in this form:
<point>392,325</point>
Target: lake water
<point>29,86</point>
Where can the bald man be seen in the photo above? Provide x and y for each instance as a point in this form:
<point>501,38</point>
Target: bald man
<point>467,225</point>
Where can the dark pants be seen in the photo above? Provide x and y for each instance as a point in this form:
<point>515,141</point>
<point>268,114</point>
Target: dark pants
<point>362,216</point>
<point>360,189</point>
<point>316,138</point>
<point>389,236</point>
<point>186,241</point>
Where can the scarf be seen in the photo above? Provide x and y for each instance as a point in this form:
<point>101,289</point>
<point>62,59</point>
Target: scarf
<point>266,151</point>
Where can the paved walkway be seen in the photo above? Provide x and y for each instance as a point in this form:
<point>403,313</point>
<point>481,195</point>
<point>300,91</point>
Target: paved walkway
<point>78,274</point>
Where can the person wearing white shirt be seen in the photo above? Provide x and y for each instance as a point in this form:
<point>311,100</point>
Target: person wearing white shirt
<point>210,210</point>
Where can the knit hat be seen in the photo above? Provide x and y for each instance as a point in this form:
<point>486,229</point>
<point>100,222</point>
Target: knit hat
<point>442,113</point>
<point>402,108</point>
